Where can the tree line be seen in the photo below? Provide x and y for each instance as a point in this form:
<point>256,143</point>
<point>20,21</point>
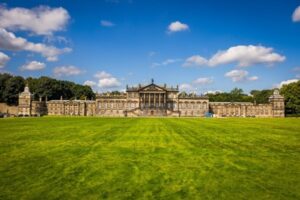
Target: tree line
<point>11,86</point>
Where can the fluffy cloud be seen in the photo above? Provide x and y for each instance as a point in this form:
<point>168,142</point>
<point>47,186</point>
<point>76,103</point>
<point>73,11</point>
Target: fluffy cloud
<point>90,83</point>
<point>106,23</point>
<point>33,66</point>
<point>253,78</point>
<point>286,82</point>
<point>3,59</point>
<point>296,15</point>
<point>246,56</point>
<point>166,62</point>
<point>240,75</point>
<point>203,81</point>
<point>177,26</point>
<point>9,41</point>
<point>102,75</point>
<point>195,60</point>
<point>192,87</point>
<point>42,20</point>
<point>106,80</point>
<point>67,71</point>
<point>242,55</point>
<point>186,87</point>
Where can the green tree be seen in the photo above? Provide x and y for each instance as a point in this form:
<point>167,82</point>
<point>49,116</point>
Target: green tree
<point>183,94</point>
<point>261,96</point>
<point>13,87</point>
<point>3,79</point>
<point>291,93</point>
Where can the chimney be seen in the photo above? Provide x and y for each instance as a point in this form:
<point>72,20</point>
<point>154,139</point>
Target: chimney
<point>40,98</point>
<point>46,98</point>
<point>61,98</point>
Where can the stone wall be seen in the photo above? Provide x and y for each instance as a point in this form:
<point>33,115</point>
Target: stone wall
<point>12,110</point>
<point>193,107</point>
<point>240,109</point>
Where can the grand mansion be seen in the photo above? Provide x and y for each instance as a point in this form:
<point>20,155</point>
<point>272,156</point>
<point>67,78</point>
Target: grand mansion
<point>149,100</point>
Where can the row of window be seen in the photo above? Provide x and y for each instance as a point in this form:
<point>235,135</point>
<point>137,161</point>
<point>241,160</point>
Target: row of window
<point>241,112</point>
<point>193,105</point>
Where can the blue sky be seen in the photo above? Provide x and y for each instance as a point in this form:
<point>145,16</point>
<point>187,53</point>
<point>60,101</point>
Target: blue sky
<point>199,45</point>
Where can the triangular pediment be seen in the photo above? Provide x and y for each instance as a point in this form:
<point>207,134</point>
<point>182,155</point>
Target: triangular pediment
<point>152,87</point>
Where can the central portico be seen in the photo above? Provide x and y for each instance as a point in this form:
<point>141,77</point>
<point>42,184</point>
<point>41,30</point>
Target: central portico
<point>153,100</point>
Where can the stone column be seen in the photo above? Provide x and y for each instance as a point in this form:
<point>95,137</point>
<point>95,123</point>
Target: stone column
<point>144,100</point>
<point>159,100</point>
<point>154,96</point>
<point>140,100</point>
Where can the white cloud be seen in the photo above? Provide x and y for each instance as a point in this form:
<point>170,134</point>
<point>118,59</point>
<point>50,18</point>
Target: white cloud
<point>3,59</point>
<point>165,63</point>
<point>195,60</point>
<point>186,87</point>
<point>102,75</point>
<point>296,15</point>
<point>56,39</point>
<point>106,80</point>
<point>9,41</point>
<point>33,66</point>
<point>106,23</point>
<point>41,20</point>
<point>67,71</point>
<point>243,55</point>
<point>192,87</point>
<point>203,81</point>
<point>246,56</point>
<point>253,78</point>
<point>240,75</point>
<point>109,82</point>
<point>286,82</point>
<point>177,26</point>
<point>90,83</point>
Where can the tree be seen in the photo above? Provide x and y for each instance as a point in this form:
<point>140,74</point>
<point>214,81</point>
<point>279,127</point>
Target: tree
<point>291,93</point>
<point>235,95</point>
<point>115,92</point>
<point>261,96</point>
<point>183,94</point>
<point>13,87</point>
<point>3,79</point>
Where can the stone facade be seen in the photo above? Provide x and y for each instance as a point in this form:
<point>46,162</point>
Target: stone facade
<point>150,100</point>
<point>28,107</point>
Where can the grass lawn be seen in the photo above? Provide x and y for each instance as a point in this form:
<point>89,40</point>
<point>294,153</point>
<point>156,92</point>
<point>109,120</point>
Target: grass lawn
<point>149,158</point>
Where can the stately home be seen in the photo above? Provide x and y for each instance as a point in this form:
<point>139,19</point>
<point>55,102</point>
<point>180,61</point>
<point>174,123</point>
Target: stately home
<point>149,100</point>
